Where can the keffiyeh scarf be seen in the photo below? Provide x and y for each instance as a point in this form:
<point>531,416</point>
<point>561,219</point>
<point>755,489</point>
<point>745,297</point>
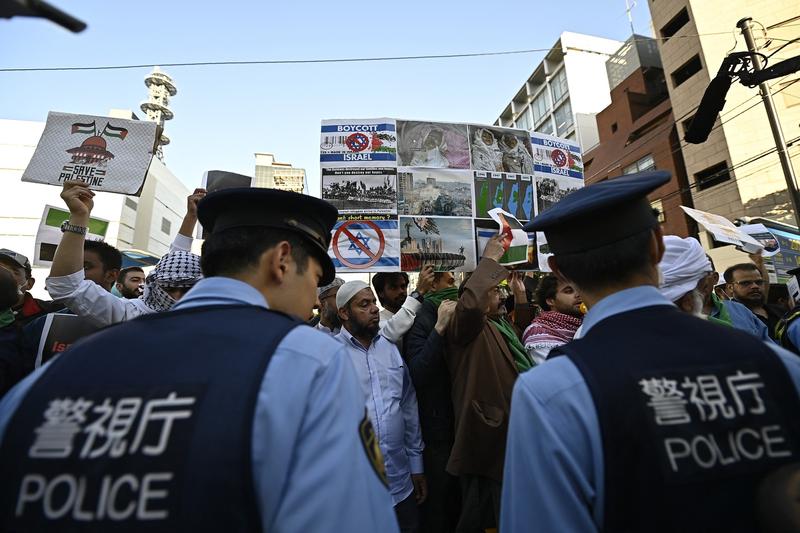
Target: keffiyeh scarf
<point>179,269</point>
<point>551,327</point>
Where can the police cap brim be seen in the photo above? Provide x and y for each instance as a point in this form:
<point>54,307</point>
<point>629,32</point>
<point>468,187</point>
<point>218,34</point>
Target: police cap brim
<point>311,218</point>
<point>600,214</point>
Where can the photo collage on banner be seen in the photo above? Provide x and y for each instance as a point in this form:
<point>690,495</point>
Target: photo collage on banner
<point>558,167</point>
<point>411,193</point>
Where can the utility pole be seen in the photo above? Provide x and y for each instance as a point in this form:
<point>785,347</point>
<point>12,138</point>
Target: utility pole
<point>774,123</point>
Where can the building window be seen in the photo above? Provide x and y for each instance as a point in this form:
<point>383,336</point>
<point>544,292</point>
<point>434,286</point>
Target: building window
<point>563,116</point>
<point>559,85</point>
<point>658,205</point>
<point>524,122</point>
<point>540,106</point>
<point>789,99</point>
<point>686,124</point>
<point>645,163</point>
<point>614,128</point>
<point>675,24</point>
<point>166,225</point>
<point>686,71</point>
<point>130,203</point>
<point>546,127</point>
<point>713,175</point>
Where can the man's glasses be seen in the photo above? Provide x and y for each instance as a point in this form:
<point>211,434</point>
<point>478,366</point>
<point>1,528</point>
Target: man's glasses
<point>748,282</point>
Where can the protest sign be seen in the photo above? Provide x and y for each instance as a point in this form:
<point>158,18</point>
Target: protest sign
<point>371,142</point>
<point>216,180</point>
<point>793,287</point>
<point>60,331</point>
<point>542,252</point>
<point>49,234</point>
<point>760,233</point>
<point>724,230</point>
<point>362,242</point>
<point>515,239</point>
<point>108,154</point>
<point>430,187</point>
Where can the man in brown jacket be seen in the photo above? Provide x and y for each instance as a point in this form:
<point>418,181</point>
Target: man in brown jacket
<point>484,356</point>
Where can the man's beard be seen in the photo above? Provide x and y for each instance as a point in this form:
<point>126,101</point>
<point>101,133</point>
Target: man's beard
<point>370,329</point>
<point>698,298</point>
<point>130,294</point>
<point>752,300</point>
<point>330,318</point>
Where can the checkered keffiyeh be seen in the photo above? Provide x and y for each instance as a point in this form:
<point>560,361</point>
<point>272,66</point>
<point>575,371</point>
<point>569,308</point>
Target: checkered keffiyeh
<point>177,269</point>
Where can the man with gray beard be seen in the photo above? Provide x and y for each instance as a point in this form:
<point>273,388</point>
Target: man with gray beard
<point>688,279</point>
<point>328,313</point>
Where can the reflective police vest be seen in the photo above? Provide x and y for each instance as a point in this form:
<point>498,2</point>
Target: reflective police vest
<point>144,426</point>
<point>782,330</point>
<point>692,416</point>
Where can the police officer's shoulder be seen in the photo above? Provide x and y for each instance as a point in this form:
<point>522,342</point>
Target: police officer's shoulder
<point>550,380</point>
<point>311,343</point>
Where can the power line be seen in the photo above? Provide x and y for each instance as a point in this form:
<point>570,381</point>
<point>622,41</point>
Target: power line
<point>731,168</point>
<point>321,61</point>
<point>681,146</point>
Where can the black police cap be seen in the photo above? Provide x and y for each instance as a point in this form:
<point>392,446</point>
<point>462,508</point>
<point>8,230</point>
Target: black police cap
<point>600,214</point>
<point>307,216</point>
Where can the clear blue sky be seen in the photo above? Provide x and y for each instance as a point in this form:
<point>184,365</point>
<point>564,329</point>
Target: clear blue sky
<point>223,114</point>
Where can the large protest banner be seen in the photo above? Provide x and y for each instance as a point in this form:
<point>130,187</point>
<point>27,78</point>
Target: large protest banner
<point>108,154</point>
<point>411,193</point>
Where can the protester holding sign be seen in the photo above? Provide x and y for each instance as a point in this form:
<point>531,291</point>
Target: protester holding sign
<point>484,357</point>
<point>173,276</point>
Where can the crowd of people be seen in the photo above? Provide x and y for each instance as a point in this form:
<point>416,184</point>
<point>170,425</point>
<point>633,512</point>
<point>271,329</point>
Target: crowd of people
<point>249,388</point>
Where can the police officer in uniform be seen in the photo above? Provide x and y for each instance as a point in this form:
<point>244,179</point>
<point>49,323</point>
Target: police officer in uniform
<point>655,420</point>
<point>224,414</point>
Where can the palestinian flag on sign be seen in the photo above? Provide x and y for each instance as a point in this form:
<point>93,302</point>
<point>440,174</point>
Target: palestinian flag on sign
<point>111,131</point>
<point>515,239</point>
<point>89,127</point>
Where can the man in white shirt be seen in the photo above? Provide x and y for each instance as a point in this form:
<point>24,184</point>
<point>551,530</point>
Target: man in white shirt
<point>399,309</point>
<point>390,399</point>
<point>175,274</point>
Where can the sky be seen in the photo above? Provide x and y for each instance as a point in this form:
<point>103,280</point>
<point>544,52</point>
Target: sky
<point>224,114</point>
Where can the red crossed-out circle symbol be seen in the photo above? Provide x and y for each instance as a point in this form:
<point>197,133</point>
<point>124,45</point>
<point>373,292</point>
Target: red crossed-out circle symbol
<point>350,238</point>
<point>357,142</point>
<point>558,157</point>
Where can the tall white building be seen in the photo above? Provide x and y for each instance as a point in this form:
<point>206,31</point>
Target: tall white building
<point>274,175</point>
<point>147,223</point>
<point>565,91</point>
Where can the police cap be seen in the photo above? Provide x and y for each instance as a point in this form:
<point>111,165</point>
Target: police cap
<point>309,217</point>
<point>600,214</point>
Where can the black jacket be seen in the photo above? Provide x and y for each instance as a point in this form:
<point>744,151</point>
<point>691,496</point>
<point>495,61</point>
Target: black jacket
<point>423,353</point>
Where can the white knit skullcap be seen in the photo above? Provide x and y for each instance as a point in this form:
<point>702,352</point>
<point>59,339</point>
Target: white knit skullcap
<point>347,291</point>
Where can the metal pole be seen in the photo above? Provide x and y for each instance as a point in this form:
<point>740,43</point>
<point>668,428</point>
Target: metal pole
<point>774,122</point>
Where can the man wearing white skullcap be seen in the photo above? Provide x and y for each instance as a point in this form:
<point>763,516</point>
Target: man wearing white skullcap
<point>688,279</point>
<point>390,398</point>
